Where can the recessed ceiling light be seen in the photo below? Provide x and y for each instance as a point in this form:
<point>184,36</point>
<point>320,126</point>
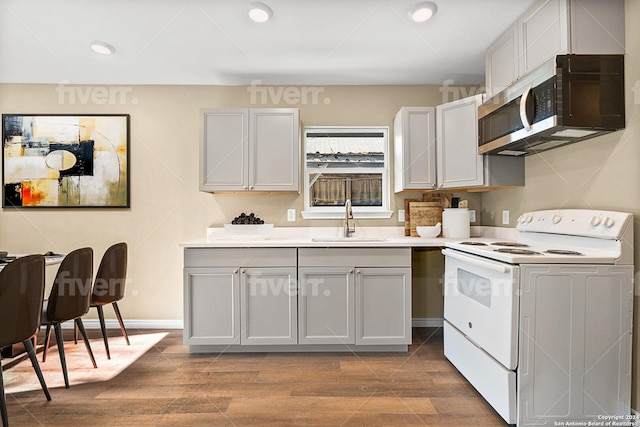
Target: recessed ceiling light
<point>259,12</point>
<point>423,11</point>
<point>102,47</point>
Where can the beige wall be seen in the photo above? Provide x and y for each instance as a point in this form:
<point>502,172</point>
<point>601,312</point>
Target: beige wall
<point>166,206</point>
<point>602,173</point>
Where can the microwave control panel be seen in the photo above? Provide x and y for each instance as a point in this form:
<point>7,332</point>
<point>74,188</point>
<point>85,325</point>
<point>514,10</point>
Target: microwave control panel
<point>544,100</point>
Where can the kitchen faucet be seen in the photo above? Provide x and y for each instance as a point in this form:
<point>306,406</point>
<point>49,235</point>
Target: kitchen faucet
<point>349,229</point>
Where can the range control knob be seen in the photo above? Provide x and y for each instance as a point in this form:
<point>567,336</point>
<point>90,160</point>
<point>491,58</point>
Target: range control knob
<point>556,219</point>
<point>520,219</point>
<point>595,221</point>
<point>608,222</point>
<point>529,218</point>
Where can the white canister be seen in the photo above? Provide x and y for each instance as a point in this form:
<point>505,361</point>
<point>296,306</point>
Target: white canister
<point>456,223</point>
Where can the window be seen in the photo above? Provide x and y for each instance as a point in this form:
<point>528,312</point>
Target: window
<point>346,163</point>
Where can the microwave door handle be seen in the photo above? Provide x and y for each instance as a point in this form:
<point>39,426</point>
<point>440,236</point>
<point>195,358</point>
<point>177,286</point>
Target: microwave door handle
<point>477,262</point>
<point>523,108</point>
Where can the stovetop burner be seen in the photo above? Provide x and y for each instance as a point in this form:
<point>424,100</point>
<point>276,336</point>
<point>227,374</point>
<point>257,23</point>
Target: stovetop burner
<point>511,244</point>
<point>517,251</point>
<point>473,243</point>
<point>563,252</point>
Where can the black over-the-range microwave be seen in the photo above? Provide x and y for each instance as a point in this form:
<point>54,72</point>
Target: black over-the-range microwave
<point>568,99</point>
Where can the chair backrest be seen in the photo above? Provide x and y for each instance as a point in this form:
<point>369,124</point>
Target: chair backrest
<point>111,276</point>
<point>21,295</point>
<point>71,291</point>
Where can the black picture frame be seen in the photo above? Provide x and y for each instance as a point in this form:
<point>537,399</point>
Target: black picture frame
<point>65,161</point>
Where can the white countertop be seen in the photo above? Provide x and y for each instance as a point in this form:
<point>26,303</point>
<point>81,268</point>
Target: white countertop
<point>321,237</point>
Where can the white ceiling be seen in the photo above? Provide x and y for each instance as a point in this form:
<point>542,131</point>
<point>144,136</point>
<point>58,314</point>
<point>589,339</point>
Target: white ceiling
<point>213,42</point>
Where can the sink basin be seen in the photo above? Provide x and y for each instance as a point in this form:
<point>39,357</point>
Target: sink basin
<point>347,239</point>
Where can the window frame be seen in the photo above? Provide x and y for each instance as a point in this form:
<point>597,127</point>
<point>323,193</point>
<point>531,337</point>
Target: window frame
<point>337,212</point>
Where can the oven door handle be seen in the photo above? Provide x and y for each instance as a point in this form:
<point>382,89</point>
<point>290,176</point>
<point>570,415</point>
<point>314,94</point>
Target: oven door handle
<point>501,268</point>
<point>523,108</point>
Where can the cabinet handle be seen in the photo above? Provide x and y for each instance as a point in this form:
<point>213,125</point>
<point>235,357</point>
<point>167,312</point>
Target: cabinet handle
<point>350,271</point>
<point>235,271</point>
<point>251,187</point>
<point>242,271</point>
<point>245,187</point>
<point>358,271</point>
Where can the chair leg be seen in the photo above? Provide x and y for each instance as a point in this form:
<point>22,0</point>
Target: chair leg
<point>36,367</point>
<point>63,362</point>
<point>47,336</point>
<point>103,327</point>
<point>3,401</point>
<point>75,334</point>
<point>124,331</point>
<point>80,326</point>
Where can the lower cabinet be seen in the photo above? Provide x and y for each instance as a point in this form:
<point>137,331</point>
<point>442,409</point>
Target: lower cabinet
<point>358,296</point>
<point>326,305</point>
<point>268,309</point>
<point>240,296</point>
<point>383,305</point>
<point>291,299</point>
<point>212,306</point>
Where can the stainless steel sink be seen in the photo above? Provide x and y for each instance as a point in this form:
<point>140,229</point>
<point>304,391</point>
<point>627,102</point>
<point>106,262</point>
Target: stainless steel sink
<point>348,239</point>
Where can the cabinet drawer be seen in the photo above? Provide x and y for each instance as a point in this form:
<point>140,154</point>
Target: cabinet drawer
<point>240,257</point>
<point>354,257</point>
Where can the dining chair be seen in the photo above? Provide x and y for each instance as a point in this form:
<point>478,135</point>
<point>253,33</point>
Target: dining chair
<point>108,287</point>
<point>21,296</point>
<point>69,300</point>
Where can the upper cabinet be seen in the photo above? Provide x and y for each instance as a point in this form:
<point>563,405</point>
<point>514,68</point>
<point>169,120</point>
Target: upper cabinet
<point>250,150</point>
<point>501,61</point>
<point>414,153</point>
<point>458,161</point>
<point>550,28</point>
<point>443,153</point>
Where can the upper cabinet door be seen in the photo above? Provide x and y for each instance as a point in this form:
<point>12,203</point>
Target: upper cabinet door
<point>459,164</point>
<point>414,149</point>
<point>274,150</point>
<point>544,33</point>
<point>250,150</point>
<point>224,150</point>
<point>501,61</point>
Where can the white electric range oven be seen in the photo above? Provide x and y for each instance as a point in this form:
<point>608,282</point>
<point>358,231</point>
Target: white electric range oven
<point>541,326</point>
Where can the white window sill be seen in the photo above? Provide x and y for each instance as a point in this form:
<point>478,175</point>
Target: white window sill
<point>340,215</point>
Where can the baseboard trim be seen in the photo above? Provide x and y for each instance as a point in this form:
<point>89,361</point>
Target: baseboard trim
<point>130,324</point>
<point>427,322</point>
<point>424,322</point>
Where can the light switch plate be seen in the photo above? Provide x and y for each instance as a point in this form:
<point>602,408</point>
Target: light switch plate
<point>472,215</point>
<point>400,215</point>
<point>505,217</point>
<point>291,215</point>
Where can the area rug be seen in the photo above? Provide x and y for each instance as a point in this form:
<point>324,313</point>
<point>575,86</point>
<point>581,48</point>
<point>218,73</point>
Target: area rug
<point>22,377</point>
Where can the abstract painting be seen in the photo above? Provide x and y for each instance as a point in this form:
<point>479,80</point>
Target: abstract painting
<point>65,161</point>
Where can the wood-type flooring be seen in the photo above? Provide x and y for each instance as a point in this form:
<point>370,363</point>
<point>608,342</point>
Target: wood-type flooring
<point>167,386</point>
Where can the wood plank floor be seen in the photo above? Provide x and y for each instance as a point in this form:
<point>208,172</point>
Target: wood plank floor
<point>169,386</point>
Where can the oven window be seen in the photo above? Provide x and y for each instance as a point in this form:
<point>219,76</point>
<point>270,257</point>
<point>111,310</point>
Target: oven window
<point>476,287</point>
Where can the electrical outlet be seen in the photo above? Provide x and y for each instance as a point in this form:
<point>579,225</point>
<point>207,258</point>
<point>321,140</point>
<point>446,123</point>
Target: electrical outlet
<point>400,215</point>
<point>291,214</point>
<point>472,215</point>
<point>505,217</point>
